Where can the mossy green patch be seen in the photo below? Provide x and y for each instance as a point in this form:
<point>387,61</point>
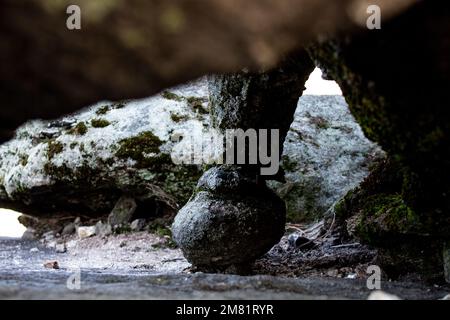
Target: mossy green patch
<point>23,159</point>
<point>139,147</point>
<point>171,96</point>
<point>162,230</point>
<point>79,129</point>
<point>53,148</point>
<point>102,110</point>
<point>100,123</point>
<point>200,109</point>
<point>177,117</point>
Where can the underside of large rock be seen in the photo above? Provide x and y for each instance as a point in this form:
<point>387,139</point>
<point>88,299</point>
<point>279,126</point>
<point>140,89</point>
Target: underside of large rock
<point>133,49</point>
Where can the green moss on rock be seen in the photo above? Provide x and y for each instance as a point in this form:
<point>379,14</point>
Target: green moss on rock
<point>100,123</point>
<point>80,129</point>
<point>23,159</point>
<point>102,110</point>
<point>139,148</point>
<point>53,148</point>
<point>171,96</point>
<point>177,117</point>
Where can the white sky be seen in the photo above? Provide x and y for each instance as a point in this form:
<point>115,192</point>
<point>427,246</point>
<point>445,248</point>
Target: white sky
<point>10,226</point>
<point>318,86</point>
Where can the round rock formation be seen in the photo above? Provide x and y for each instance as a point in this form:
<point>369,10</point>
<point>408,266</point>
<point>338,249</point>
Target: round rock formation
<point>232,219</point>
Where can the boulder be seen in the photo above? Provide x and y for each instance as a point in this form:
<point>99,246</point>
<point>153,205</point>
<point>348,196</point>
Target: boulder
<point>83,163</point>
<point>231,219</point>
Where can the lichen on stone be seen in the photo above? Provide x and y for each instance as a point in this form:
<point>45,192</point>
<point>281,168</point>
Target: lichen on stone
<point>102,110</point>
<point>140,148</point>
<point>171,96</point>
<point>53,148</point>
<point>100,123</point>
<point>79,129</point>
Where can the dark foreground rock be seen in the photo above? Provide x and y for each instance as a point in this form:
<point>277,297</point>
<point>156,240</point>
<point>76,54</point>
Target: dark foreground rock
<point>22,276</point>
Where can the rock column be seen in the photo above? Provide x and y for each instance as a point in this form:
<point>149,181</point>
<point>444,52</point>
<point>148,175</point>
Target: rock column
<point>233,218</point>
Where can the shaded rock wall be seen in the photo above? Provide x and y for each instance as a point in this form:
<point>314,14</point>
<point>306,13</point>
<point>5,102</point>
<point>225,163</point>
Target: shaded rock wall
<point>325,155</point>
<point>395,81</point>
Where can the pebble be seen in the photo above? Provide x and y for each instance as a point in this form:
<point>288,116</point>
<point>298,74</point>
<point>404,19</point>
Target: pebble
<point>33,250</point>
<point>297,241</point>
<point>86,232</point>
<point>137,225</point>
<point>69,229</point>
<point>51,265</point>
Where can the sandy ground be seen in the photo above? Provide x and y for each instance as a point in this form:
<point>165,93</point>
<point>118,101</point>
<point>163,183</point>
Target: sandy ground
<point>139,266</point>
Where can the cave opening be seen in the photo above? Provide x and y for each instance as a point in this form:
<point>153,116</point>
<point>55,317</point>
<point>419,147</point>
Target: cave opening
<point>317,85</point>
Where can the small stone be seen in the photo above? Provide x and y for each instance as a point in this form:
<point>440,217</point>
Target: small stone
<point>34,250</point>
<point>60,248</point>
<point>48,236</point>
<point>77,221</point>
<point>137,225</point>
<point>381,295</point>
<point>51,265</point>
<point>300,242</point>
<point>332,273</point>
<point>122,211</point>
<point>447,297</point>
<point>69,229</point>
<point>86,232</point>
<point>29,234</point>
<point>103,229</point>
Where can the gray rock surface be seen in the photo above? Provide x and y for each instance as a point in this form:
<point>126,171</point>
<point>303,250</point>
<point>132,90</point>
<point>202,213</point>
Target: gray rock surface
<point>147,273</point>
<point>82,164</point>
<point>231,220</point>
<point>325,155</point>
<point>122,212</point>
